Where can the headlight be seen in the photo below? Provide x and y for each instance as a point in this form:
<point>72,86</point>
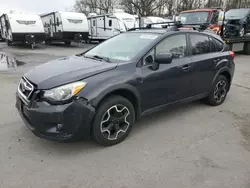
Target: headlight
<point>65,92</point>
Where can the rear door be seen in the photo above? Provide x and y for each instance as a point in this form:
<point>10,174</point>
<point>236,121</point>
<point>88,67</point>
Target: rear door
<point>204,58</point>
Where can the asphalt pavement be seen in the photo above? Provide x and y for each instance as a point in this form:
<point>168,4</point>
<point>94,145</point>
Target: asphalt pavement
<point>191,146</point>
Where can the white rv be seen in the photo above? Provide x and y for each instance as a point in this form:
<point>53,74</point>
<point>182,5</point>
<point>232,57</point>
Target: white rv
<point>154,19</point>
<point>65,27</point>
<point>22,28</point>
<point>103,27</point>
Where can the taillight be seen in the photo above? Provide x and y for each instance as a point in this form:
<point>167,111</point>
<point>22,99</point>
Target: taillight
<point>231,53</point>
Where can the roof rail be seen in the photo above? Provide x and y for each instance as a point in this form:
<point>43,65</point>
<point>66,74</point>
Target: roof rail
<point>176,24</point>
<point>173,23</point>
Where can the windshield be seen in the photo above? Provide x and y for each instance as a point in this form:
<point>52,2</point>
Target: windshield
<point>123,47</point>
<point>236,13</point>
<point>193,17</point>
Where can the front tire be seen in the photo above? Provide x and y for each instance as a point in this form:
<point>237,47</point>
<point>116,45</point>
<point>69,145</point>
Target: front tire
<point>219,92</point>
<point>113,121</point>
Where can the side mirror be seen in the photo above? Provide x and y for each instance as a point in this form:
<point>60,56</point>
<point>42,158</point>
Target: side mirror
<point>164,58</point>
<point>149,59</point>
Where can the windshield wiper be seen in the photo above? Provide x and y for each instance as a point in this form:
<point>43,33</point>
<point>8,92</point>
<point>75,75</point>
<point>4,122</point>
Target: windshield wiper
<point>97,57</point>
<point>102,58</point>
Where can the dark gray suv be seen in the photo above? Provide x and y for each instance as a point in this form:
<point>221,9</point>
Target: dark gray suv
<point>101,93</point>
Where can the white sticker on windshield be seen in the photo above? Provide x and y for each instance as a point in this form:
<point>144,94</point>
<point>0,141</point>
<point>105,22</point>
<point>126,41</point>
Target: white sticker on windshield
<point>152,37</point>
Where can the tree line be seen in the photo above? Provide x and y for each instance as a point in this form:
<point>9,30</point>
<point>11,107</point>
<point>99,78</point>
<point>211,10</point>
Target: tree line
<point>154,7</point>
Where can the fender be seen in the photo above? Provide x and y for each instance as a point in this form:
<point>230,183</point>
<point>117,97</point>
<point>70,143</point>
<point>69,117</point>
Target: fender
<point>224,69</point>
<point>114,88</point>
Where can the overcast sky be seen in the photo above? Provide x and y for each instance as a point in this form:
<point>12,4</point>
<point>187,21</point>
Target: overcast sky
<point>36,6</point>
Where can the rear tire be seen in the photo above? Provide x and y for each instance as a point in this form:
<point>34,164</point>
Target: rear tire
<point>219,91</point>
<point>113,122</point>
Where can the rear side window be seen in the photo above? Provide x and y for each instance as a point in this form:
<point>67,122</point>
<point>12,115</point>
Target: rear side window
<point>219,45</point>
<point>200,44</point>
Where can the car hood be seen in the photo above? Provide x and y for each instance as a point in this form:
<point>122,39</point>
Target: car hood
<point>66,70</point>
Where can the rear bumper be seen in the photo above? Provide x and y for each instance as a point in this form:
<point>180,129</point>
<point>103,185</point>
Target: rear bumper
<point>57,122</point>
<point>67,36</point>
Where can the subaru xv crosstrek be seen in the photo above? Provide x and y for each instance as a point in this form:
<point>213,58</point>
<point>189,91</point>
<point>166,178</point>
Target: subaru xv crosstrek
<point>103,92</point>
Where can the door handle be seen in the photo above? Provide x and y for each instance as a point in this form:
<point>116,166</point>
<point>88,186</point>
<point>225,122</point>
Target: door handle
<point>186,68</point>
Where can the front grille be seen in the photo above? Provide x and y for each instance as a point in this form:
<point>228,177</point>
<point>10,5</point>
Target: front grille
<point>25,89</point>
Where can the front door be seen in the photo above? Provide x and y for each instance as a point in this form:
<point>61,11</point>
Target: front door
<point>166,83</point>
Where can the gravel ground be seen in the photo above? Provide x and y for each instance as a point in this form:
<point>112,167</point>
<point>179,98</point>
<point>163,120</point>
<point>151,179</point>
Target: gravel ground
<point>193,145</point>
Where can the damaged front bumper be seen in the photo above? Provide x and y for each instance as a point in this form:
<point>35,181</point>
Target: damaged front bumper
<point>57,122</point>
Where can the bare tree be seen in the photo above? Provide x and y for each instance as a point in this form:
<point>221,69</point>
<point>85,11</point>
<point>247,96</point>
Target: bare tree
<point>145,7</point>
<point>98,6</point>
<point>154,7</point>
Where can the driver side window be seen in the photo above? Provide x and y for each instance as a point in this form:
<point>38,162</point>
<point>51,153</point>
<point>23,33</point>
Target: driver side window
<point>177,45</point>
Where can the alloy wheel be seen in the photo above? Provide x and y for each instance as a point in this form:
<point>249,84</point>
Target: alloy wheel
<point>114,123</point>
<point>220,91</point>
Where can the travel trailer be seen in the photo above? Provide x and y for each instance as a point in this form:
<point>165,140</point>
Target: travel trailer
<point>154,19</point>
<point>22,28</point>
<point>103,27</point>
<point>65,27</point>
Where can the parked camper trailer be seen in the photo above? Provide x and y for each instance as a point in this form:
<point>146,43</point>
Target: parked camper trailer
<point>154,19</point>
<point>103,27</point>
<point>22,28</point>
<point>65,27</point>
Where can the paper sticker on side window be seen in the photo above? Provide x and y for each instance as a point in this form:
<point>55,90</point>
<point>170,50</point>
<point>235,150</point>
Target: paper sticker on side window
<point>152,37</point>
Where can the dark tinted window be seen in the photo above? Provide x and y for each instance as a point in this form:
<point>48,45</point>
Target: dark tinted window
<point>93,22</point>
<point>219,45</point>
<point>200,44</point>
<point>176,45</point>
<point>110,23</point>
